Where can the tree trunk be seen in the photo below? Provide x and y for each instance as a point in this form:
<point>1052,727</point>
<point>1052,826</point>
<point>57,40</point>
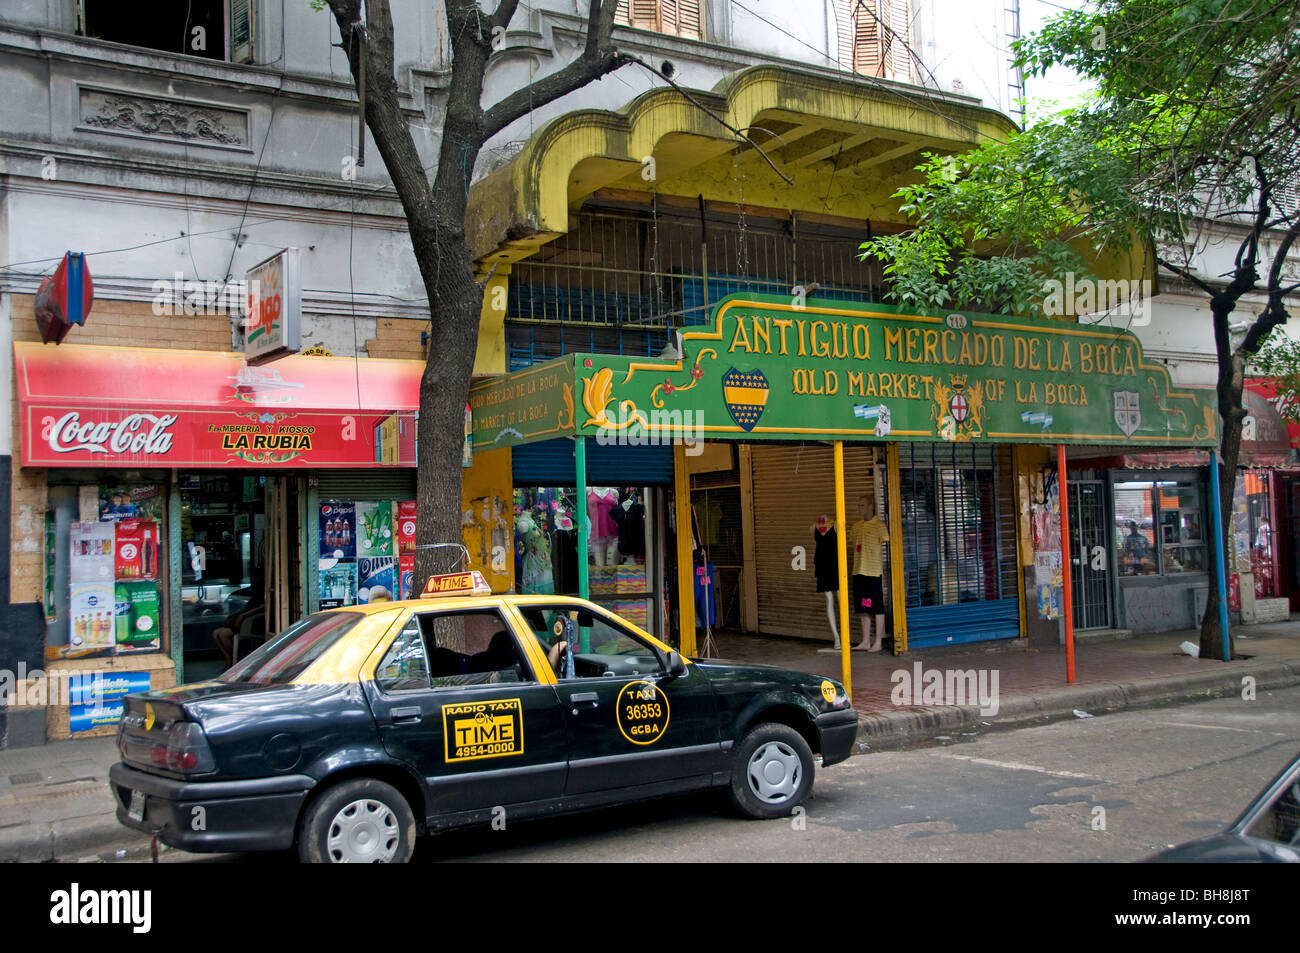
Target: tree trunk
<point>435,218</point>
<point>455,306</point>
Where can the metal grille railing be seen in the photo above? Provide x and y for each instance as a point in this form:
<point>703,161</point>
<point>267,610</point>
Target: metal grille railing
<point>635,276</point>
<point>958,524</point>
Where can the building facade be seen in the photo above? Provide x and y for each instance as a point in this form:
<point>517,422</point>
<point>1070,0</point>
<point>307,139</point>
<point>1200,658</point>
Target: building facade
<point>181,154</point>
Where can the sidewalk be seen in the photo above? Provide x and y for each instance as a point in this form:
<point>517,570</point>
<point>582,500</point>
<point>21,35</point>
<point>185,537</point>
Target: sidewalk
<point>1109,676</point>
<point>55,803</point>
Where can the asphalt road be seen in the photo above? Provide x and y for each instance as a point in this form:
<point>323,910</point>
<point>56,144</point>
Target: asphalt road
<point>1113,788</point>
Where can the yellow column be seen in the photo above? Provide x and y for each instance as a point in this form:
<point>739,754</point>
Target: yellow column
<point>490,356</point>
<point>841,551</point>
<point>685,558</point>
<point>898,595</point>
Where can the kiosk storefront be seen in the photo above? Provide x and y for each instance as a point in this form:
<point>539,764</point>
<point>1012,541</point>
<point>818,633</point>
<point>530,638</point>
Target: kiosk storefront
<point>946,397</point>
<point>177,487</point>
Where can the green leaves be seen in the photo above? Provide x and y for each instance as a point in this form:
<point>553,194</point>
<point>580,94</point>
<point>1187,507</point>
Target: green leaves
<point>988,226</point>
<point>1194,108</point>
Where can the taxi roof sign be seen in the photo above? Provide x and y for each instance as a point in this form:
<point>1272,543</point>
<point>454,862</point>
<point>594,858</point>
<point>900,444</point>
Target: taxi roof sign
<point>456,584</point>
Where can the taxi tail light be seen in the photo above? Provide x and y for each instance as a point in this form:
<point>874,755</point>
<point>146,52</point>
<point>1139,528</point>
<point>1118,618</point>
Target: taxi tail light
<point>186,750</point>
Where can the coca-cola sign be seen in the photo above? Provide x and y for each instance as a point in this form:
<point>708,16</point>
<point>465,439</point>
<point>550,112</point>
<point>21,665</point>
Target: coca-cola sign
<point>134,434</point>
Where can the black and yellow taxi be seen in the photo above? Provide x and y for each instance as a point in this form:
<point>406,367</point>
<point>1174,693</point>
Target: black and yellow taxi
<point>357,729</point>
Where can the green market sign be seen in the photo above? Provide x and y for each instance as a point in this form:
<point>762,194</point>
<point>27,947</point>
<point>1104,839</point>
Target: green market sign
<point>766,369</point>
<point>533,404</point>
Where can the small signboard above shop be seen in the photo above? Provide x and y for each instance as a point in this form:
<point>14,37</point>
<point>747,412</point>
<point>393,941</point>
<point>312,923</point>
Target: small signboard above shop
<point>273,327</point>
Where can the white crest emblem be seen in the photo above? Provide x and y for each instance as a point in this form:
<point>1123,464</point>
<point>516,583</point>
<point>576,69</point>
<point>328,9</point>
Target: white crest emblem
<point>1128,411</point>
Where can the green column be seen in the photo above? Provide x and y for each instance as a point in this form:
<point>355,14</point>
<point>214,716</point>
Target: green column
<point>311,558</point>
<point>175,616</point>
<point>580,513</point>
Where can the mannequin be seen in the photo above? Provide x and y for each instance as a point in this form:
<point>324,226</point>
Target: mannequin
<point>535,568</point>
<point>865,539</point>
<point>826,568</point>
<point>603,545</point>
<point>564,554</point>
<point>629,517</point>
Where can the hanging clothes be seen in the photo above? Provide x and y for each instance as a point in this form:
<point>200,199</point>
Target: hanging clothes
<point>564,561</point>
<point>631,528</point>
<point>826,563</point>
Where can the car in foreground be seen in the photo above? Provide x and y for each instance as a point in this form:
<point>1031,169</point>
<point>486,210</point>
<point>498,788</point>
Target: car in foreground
<point>1267,832</point>
<point>357,729</point>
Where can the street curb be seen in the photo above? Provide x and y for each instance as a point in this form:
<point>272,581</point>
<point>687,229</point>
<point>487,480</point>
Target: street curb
<point>885,731</point>
<point>26,844</point>
<point>67,840</point>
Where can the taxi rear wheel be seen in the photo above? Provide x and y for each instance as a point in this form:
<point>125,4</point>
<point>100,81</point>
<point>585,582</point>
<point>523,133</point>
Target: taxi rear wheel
<point>362,821</point>
<point>772,771</point>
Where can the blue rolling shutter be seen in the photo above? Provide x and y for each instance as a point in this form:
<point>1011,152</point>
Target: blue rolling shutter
<point>550,463</point>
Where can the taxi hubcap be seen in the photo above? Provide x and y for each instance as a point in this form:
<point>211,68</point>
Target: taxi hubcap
<point>364,832</point>
<point>774,772</point>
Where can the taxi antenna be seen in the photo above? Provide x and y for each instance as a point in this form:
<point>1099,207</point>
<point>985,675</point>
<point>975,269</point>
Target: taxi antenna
<point>462,561</point>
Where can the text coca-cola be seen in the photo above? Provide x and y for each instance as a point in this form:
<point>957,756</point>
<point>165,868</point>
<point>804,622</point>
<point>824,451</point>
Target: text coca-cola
<point>134,434</point>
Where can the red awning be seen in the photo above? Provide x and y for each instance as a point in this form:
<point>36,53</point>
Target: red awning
<point>1268,448</point>
<point>1261,393</point>
<point>86,406</point>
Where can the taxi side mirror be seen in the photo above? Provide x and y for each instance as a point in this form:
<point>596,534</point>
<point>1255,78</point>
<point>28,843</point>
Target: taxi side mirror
<point>676,666</point>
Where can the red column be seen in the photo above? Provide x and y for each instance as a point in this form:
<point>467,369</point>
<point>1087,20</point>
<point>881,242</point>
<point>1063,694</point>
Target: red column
<point>1067,582</point>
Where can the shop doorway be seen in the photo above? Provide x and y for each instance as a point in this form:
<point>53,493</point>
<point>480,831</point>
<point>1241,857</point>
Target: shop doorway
<point>1291,538</point>
<point>223,560</point>
<point>1090,561</point>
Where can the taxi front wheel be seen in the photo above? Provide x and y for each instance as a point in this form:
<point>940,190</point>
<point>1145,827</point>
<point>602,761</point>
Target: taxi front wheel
<point>362,821</point>
<point>772,771</point>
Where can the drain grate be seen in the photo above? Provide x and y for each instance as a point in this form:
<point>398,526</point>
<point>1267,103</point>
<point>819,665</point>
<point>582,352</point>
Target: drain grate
<point>31,777</point>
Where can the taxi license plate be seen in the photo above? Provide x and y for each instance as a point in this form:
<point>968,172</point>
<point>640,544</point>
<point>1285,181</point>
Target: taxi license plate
<point>136,811</point>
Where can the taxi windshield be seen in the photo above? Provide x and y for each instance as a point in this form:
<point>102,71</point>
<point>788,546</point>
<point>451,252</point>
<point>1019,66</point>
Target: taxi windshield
<point>286,656</point>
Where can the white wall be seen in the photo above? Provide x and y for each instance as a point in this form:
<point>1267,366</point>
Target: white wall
<point>379,270</point>
<point>6,346</point>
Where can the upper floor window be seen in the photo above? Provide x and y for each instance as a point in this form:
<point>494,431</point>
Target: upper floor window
<point>678,17</point>
<point>875,37</point>
<point>214,29</point>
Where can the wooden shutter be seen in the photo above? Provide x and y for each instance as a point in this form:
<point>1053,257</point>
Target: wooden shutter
<point>898,59</point>
<point>241,31</point>
<point>642,14</point>
<point>867,52</point>
<point>675,17</point>
<point>690,23</point>
<point>844,31</point>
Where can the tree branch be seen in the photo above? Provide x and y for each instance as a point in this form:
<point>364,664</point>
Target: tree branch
<point>1275,312</point>
<point>384,115</point>
<point>1185,273</point>
<point>598,58</point>
<point>504,13</point>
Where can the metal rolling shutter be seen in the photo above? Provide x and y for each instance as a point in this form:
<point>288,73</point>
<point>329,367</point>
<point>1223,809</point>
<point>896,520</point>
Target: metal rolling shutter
<point>550,463</point>
<point>381,483</point>
<point>793,485</point>
<point>959,541</point>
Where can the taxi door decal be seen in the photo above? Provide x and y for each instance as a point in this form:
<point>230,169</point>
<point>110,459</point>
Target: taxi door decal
<point>642,710</point>
<point>485,729</point>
